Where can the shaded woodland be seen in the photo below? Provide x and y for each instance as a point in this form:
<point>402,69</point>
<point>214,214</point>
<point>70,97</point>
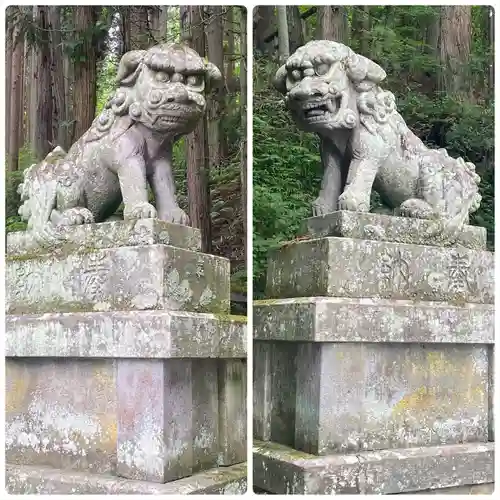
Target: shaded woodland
<point>60,67</point>
<point>439,64</point>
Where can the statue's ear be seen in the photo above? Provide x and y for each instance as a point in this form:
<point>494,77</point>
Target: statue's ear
<point>213,75</point>
<point>129,67</point>
<point>361,68</point>
<point>279,80</point>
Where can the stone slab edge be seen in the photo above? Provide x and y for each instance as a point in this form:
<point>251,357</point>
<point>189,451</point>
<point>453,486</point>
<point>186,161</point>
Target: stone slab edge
<point>129,334</point>
<point>380,227</point>
<point>330,319</point>
<point>283,470</point>
<point>43,480</point>
<point>69,239</point>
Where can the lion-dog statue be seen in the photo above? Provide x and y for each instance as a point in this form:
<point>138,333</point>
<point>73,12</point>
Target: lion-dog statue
<point>365,143</point>
<point>159,98</point>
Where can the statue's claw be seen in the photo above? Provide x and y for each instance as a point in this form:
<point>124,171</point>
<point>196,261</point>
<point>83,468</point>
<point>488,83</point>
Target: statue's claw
<point>348,201</point>
<point>141,210</point>
<point>76,217</point>
<point>175,215</point>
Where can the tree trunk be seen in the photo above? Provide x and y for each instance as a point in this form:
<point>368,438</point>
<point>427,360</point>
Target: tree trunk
<point>331,24</point>
<point>85,84</point>
<point>58,85</point>
<point>229,29</point>
<point>243,106</point>
<point>295,28</point>
<point>361,28</point>
<point>264,24</point>
<point>15,104</point>
<point>215,105</point>
<point>9,52</point>
<point>454,49</point>
<point>163,22</point>
<point>283,43</point>
<point>197,149</point>
<point>42,138</point>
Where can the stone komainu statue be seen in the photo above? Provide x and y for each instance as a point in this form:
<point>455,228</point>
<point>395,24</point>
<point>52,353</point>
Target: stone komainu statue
<point>366,143</point>
<point>159,99</point>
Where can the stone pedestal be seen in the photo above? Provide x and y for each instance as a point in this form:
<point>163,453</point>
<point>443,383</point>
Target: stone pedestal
<point>373,359</point>
<point>124,368</point>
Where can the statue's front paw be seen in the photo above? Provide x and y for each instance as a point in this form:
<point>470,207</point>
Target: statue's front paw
<point>350,201</point>
<point>321,207</point>
<point>175,215</point>
<point>76,217</point>
<point>141,210</point>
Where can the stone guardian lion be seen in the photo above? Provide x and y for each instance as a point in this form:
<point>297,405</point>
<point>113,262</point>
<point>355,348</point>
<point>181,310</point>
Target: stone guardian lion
<point>159,98</point>
<point>365,143</point>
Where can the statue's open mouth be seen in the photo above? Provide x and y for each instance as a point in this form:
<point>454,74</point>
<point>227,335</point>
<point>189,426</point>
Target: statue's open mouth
<point>321,110</point>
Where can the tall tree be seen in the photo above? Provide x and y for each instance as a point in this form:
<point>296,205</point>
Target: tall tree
<point>295,28</point>
<point>60,132</point>
<point>243,107</point>
<point>283,43</point>
<point>454,49</point>
<point>85,70</point>
<point>331,24</point>
<point>215,54</point>
<point>361,28</point>
<point>264,25</point>
<point>15,101</point>
<point>41,138</point>
<point>197,144</point>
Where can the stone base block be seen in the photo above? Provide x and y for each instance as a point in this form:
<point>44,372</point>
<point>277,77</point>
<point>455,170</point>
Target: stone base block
<point>326,397</point>
<point>282,470</point>
<point>331,319</point>
<point>70,239</point>
<point>61,413</point>
<point>379,227</point>
<point>156,386</point>
<point>232,374</point>
<point>345,267</point>
<point>126,334</point>
<point>124,278</point>
<point>23,480</point>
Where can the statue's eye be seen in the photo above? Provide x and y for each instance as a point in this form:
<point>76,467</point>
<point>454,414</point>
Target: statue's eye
<point>322,69</point>
<point>296,75</point>
<point>194,80</point>
<point>161,76</point>
<point>178,78</point>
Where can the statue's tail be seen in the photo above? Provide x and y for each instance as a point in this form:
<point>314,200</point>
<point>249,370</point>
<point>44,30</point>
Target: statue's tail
<point>39,191</point>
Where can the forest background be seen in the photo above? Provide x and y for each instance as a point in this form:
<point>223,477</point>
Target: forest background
<point>439,64</point>
<point>61,62</point>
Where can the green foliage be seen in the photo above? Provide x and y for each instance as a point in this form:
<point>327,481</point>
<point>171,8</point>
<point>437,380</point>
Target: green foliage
<point>106,81</point>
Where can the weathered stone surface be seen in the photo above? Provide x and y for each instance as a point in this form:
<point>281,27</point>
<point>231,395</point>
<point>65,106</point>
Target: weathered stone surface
<point>168,418</point>
<point>350,397</point>
<point>332,319</point>
<point>274,391</point>
<point>344,267</point>
<point>87,237</point>
<point>137,278</point>
<point>491,393</point>
<point>232,385</point>
<point>283,470</point>
<point>61,413</point>
<point>22,480</point>
<point>380,227</point>
<point>469,489</point>
<point>126,334</point>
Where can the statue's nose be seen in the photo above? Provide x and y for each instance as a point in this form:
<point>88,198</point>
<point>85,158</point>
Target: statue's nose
<point>308,89</point>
